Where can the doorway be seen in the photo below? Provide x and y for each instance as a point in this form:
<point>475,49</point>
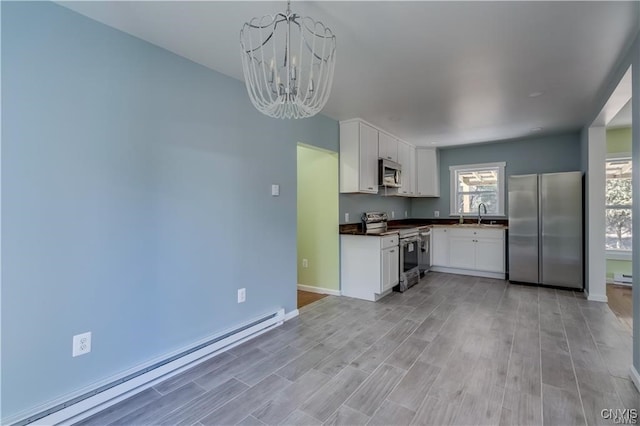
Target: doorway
<point>317,223</point>
<point>618,207</point>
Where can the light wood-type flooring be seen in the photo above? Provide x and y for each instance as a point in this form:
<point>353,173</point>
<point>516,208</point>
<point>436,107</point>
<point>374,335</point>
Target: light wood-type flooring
<point>621,303</point>
<point>306,298</point>
<point>451,350</point>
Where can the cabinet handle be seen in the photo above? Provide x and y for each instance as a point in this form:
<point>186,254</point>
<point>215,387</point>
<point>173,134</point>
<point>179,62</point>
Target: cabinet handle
<point>392,251</point>
<point>371,188</point>
<point>388,158</point>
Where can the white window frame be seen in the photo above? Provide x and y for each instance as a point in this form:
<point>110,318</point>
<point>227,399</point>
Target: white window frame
<point>453,193</point>
<point>612,254</point>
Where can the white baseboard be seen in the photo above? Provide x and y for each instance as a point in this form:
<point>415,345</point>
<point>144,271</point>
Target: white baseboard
<point>446,270</point>
<point>595,297</point>
<point>291,314</point>
<point>319,290</point>
<point>635,377</point>
<point>619,283</point>
<point>102,400</point>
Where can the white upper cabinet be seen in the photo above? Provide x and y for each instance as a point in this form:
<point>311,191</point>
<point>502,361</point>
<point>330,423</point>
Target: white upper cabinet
<point>361,144</point>
<point>358,157</point>
<point>407,159</point>
<point>388,147</point>
<point>427,173</point>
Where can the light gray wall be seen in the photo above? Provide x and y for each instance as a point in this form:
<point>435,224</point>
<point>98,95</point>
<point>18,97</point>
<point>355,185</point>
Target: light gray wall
<point>135,202</point>
<point>356,204</point>
<point>544,154</point>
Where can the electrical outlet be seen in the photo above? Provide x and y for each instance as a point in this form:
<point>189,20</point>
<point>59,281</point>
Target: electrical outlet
<point>393,214</point>
<point>81,344</point>
<point>436,213</point>
<point>305,263</point>
<point>242,295</point>
<point>275,190</point>
<point>346,217</point>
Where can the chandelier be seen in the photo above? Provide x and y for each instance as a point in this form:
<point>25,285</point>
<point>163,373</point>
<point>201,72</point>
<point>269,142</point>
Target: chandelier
<point>288,64</point>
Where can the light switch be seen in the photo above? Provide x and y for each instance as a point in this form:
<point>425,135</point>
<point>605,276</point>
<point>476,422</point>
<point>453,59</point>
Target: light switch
<point>275,190</point>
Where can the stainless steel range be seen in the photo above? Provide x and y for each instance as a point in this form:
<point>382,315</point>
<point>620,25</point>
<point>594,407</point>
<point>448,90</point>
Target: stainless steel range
<point>411,246</point>
<point>409,258</point>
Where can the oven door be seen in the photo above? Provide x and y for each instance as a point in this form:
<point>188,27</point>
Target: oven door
<point>409,254</point>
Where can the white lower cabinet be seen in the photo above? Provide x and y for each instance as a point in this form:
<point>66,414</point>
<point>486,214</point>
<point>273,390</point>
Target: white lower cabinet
<point>469,251</point>
<point>390,268</point>
<point>369,265</point>
<point>440,247</point>
<point>490,255</point>
<point>462,253</point>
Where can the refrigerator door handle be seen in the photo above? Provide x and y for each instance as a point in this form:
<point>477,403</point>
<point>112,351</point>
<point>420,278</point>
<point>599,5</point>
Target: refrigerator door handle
<point>540,229</point>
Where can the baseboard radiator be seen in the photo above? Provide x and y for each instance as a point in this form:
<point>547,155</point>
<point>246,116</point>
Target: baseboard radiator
<point>85,403</point>
<point>623,279</point>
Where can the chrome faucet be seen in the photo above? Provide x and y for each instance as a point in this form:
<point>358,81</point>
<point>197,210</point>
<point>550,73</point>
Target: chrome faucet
<point>480,212</point>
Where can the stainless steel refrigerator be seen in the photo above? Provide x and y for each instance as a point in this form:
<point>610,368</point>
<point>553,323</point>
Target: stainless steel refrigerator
<point>545,229</point>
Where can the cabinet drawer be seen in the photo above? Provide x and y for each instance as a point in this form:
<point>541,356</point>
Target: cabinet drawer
<point>477,233</point>
<point>389,241</point>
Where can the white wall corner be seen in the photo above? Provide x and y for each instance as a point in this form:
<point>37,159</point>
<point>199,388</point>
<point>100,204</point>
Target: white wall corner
<point>291,314</point>
<point>635,377</point>
<point>596,181</point>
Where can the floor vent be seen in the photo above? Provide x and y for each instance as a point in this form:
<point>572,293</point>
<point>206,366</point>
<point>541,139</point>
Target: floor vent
<point>104,395</point>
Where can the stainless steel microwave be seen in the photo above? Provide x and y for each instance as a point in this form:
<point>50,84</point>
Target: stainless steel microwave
<point>389,173</point>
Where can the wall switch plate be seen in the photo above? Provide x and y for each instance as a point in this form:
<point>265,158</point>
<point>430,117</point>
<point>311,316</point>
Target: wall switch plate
<point>436,213</point>
<point>275,190</point>
<point>393,214</point>
<point>346,217</point>
<point>406,214</point>
<point>81,344</point>
<point>305,263</point>
<point>242,295</point>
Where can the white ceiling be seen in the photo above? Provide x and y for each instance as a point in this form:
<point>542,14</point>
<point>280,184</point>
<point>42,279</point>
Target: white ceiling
<point>432,73</point>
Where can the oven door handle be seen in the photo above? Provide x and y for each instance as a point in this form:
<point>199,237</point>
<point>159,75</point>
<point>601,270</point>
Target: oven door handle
<point>408,241</point>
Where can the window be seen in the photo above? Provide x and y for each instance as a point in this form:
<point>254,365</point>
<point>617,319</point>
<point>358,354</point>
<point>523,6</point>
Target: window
<point>473,184</point>
<point>618,204</point>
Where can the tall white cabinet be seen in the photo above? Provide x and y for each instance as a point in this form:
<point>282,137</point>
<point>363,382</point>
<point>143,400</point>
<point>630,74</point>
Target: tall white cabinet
<point>427,173</point>
<point>358,157</point>
<point>407,159</point>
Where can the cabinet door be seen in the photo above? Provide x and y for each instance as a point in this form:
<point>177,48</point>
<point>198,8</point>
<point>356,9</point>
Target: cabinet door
<point>490,255</point>
<point>390,268</point>
<point>462,252</point>
<point>411,175</point>
<point>368,159</point>
<point>388,147</point>
<point>439,247</point>
<point>406,158</point>
<point>427,173</point>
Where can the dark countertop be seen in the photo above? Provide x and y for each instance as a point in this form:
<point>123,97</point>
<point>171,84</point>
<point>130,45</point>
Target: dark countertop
<point>395,225</point>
